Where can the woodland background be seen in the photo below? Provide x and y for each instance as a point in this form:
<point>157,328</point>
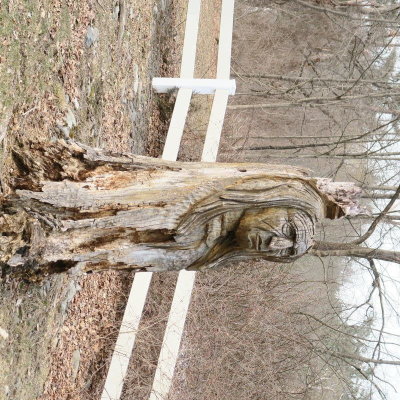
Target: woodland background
<point>318,86</point>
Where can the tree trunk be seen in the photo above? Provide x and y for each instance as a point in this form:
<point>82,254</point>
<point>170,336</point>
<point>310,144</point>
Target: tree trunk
<point>69,205</point>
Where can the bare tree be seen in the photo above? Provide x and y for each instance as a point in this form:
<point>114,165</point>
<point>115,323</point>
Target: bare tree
<point>312,97</point>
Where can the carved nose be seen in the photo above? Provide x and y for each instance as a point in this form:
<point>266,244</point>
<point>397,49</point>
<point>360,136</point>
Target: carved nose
<point>266,241</point>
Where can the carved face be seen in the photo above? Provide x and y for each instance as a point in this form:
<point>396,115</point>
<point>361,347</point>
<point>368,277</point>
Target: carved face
<point>279,231</point>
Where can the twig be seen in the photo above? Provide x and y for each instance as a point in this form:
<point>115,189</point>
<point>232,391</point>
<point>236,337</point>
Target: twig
<point>122,20</point>
<point>101,5</point>
<point>377,220</point>
<point>343,14</point>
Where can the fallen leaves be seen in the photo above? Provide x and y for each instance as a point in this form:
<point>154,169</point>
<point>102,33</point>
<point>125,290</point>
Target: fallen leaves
<point>4,334</point>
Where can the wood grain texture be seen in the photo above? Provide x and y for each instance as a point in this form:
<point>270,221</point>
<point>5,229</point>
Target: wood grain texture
<point>72,206</point>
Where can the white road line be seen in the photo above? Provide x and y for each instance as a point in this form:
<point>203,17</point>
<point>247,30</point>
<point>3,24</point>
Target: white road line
<point>173,335</point>
<point>141,283</point>
<point>190,40</point>
<point>220,101</point>
<point>126,337</point>
<point>214,128</point>
<point>177,124</point>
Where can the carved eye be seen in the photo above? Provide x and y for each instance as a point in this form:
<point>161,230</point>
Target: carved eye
<point>289,231</point>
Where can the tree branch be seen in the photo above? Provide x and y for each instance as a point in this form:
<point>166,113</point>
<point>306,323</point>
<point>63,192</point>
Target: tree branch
<point>343,14</point>
<point>377,220</point>
<point>326,249</point>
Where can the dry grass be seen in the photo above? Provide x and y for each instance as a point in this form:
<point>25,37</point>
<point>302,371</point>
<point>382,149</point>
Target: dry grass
<point>250,344</point>
<point>295,41</point>
<point>246,336</point>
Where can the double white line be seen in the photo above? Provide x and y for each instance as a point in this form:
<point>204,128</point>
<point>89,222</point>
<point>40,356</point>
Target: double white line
<point>141,283</point>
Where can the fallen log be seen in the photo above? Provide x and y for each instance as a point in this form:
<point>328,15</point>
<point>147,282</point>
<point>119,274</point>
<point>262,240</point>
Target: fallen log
<point>72,206</point>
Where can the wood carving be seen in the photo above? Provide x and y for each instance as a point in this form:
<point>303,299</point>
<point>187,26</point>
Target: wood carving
<point>69,205</point>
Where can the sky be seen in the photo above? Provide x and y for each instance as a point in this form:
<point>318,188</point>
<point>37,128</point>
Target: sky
<point>356,288</point>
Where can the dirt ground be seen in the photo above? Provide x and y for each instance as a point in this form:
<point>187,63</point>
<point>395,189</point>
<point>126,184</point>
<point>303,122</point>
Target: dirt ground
<point>82,70</point>
<point>79,70</point>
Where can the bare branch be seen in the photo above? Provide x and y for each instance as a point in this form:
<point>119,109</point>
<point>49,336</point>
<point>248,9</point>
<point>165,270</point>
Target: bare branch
<point>368,360</point>
<point>326,249</point>
<point>344,14</point>
<point>317,79</point>
<point>375,223</point>
<point>313,101</point>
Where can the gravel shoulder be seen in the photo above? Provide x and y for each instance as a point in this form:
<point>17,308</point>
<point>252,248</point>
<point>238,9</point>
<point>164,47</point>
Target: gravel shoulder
<point>78,70</point>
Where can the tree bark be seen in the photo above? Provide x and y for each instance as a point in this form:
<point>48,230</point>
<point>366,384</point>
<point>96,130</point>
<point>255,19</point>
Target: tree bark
<point>72,206</point>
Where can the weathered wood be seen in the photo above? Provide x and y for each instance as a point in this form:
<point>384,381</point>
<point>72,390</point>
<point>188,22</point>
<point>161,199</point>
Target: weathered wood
<point>74,206</point>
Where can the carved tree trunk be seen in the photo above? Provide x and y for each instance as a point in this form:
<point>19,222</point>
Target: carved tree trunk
<point>74,206</point>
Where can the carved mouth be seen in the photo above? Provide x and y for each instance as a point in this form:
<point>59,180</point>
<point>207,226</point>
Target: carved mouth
<point>260,242</point>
